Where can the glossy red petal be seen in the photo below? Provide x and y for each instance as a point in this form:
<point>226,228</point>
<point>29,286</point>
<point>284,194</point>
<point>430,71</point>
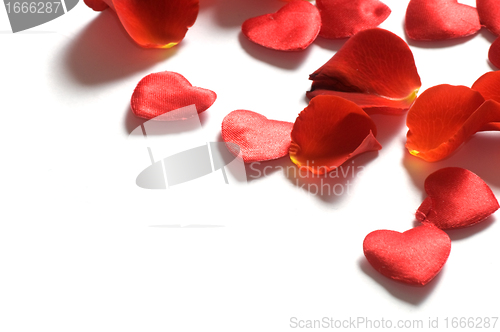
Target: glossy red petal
<point>494,53</point>
<point>153,23</point>
<point>344,18</point>
<point>440,19</point>
<point>292,28</point>
<point>444,117</point>
<point>330,131</point>
<point>160,93</point>
<point>97,5</point>
<point>414,257</point>
<point>457,198</point>
<point>374,68</point>
<point>258,138</point>
<point>489,14</point>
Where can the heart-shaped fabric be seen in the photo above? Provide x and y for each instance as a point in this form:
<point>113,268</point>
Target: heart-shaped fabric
<point>160,93</point>
<point>292,28</point>
<point>489,14</point>
<point>457,198</point>
<point>344,18</point>
<point>440,19</point>
<point>414,257</point>
<point>258,138</point>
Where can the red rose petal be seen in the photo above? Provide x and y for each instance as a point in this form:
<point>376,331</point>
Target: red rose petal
<point>163,92</point>
<point>443,117</point>
<point>414,257</point>
<point>494,53</point>
<point>258,138</point>
<point>330,131</point>
<point>153,23</point>
<point>292,28</point>
<point>488,86</point>
<point>440,19</point>
<point>457,198</point>
<point>344,18</point>
<point>97,5</point>
<point>374,68</point>
<point>489,14</point>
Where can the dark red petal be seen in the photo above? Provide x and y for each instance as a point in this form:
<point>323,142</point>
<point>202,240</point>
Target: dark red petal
<point>444,117</point>
<point>489,14</point>
<point>330,131</point>
<point>440,19</point>
<point>292,28</point>
<point>414,257</point>
<point>457,198</point>
<point>156,23</point>
<point>160,93</point>
<point>258,138</point>
<point>97,5</point>
<point>344,18</point>
<point>374,68</point>
<point>494,53</point>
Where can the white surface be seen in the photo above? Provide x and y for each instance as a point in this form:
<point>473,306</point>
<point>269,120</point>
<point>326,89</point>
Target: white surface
<point>83,249</point>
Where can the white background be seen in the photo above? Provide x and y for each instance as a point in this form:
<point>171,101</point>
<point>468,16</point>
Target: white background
<point>82,248</point>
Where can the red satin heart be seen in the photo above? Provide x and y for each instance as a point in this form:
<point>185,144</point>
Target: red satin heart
<point>489,14</point>
<point>160,93</point>
<point>457,198</point>
<point>330,131</point>
<point>344,18</point>
<point>152,23</point>
<point>414,257</point>
<point>440,19</point>
<point>375,69</point>
<point>258,138</point>
<point>292,28</point>
<point>494,53</point>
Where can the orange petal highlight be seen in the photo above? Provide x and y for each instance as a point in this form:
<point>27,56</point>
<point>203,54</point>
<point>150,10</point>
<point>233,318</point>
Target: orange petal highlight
<point>444,117</point>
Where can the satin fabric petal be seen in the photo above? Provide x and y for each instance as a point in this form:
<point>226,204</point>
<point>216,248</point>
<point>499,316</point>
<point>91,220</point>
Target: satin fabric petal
<point>330,131</point>
<point>444,117</point>
<point>163,92</point>
<point>494,53</point>
<point>375,68</point>
<point>344,18</point>
<point>292,28</point>
<point>457,198</point>
<point>153,23</point>
<point>489,14</point>
<point>258,138</point>
<point>414,257</point>
<point>440,19</point>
